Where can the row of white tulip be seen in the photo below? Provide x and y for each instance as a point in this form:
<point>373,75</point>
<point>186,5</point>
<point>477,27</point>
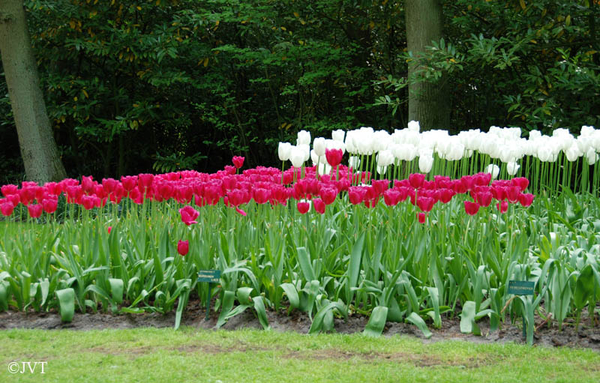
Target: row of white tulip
<point>504,144</point>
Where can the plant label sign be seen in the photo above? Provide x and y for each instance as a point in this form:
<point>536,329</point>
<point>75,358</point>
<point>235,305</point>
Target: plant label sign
<point>210,276</point>
<point>521,287</point>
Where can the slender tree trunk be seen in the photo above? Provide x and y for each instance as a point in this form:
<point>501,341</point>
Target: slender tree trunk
<point>38,148</point>
<point>428,102</point>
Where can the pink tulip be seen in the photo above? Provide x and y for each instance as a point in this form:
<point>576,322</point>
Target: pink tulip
<point>416,180</point>
<point>35,211</point>
<point>183,247</point>
<point>189,215</point>
<point>334,156</point>
<point>238,161</point>
<point>6,207</point>
<point>303,207</point>
<point>471,207</point>
<point>319,205</point>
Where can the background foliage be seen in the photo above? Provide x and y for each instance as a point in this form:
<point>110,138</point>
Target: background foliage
<point>135,86</point>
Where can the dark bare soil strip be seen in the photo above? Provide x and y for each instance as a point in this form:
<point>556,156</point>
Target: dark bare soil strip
<point>588,337</point>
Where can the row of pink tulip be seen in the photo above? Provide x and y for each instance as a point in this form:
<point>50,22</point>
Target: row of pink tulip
<point>267,185</point>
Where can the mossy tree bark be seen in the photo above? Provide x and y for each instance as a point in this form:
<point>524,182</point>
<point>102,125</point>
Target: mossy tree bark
<point>38,147</point>
<point>427,101</point>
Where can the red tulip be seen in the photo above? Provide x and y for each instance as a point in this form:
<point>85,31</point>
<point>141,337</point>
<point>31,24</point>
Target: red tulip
<point>502,206</point>
<point>261,195</point>
<point>189,215</point>
<point>145,181</point>
<point>425,203</point>
<point>416,180</point>
<point>238,161</point>
<point>334,156</point>
<point>6,207</point>
<point>380,186</point>
<point>484,198</point>
<point>183,247</point>
<point>471,207</point>
<point>482,179</point>
<point>129,182</point>
<point>109,229</point>
<point>240,211</point>
<point>27,195</point>
<point>446,195</point>
<point>520,182</point>
<point>109,184</point>
<point>328,195</point>
<point>35,211</point>
<point>303,207</point>
<point>526,199</point>
<point>513,193</point>
<point>50,205</point>
<point>356,194</point>
<point>421,217</point>
<point>9,189</point>
<point>319,205</point>
<point>390,197</point>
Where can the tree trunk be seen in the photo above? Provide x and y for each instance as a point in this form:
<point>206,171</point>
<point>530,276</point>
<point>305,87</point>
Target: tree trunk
<point>427,101</point>
<point>38,148</point>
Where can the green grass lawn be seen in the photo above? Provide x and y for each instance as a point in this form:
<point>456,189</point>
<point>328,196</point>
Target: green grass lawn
<point>190,355</point>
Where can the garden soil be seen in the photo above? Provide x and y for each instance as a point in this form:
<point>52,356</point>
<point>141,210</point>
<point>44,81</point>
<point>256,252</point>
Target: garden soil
<point>194,316</point>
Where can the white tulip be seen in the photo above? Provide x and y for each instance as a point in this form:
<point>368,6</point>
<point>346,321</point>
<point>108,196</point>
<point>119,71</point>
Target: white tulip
<point>306,150</point>
<point>303,138</point>
<point>591,156</point>
<point>587,131</point>
<point>319,146</point>
<point>297,157</point>
<point>381,169</point>
<point>573,153</point>
<point>535,134</point>
<point>385,158</point>
<point>314,157</point>
<point>512,168</point>
<point>381,140</point>
<point>425,163</point>
<point>354,162</point>
<point>284,151</point>
<point>350,142</point>
<point>414,126</point>
<point>494,170</point>
<point>323,169</point>
<point>338,135</point>
<point>365,143</point>
<point>544,153</point>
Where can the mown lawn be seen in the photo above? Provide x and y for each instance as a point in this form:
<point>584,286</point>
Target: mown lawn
<point>191,355</point>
